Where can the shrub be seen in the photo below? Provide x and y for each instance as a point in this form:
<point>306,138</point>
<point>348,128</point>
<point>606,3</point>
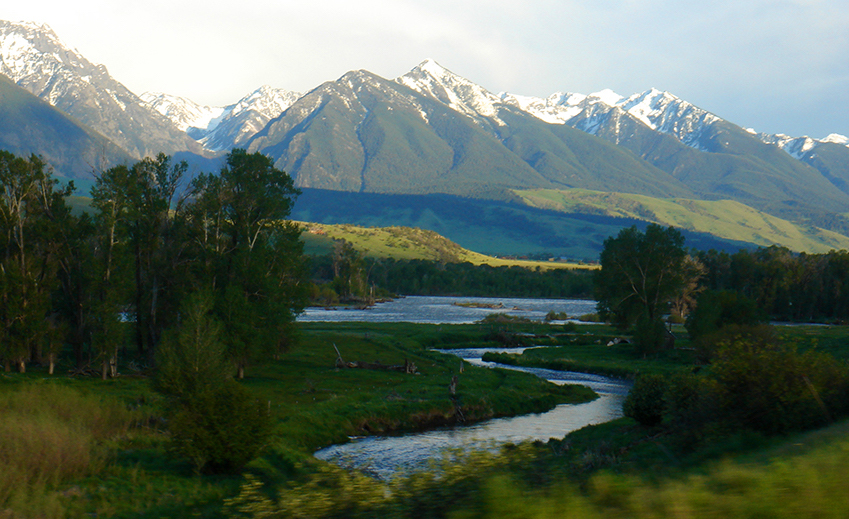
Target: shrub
<point>707,346</point>
<point>718,308</point>
<point>650,335</point>
<point>220,430</point>
<point>645,402</point>
<point>774,389</point>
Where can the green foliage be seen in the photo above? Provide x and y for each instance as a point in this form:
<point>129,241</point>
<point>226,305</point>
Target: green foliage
<point>650,336</point>
<point>640,273</point>
<point>645,402</point>
<point>773,389</point>
<point>219,429</point>
<point>707,346</point>
<point>716,309</point>
<point>786,286</point>
<point>192,358</point>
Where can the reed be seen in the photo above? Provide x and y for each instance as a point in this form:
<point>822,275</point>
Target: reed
<point>51,434</point>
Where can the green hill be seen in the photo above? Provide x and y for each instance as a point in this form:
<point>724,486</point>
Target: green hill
<point>407,243</point>
<point>725,219</point>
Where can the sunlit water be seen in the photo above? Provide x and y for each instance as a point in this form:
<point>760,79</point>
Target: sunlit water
<point>443,310</point>
<point>385,456</point>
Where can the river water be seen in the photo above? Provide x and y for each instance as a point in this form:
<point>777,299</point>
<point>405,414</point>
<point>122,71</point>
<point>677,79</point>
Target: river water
<point>385,456</point>
<point>450,310</point>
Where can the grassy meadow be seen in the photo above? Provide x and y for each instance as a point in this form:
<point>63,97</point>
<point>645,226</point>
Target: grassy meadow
<point>79,446</point>
<point>407,243</point>
<point>723,218</point>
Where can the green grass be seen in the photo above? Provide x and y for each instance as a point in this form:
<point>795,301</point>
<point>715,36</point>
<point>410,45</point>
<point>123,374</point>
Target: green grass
<point>93,460</point>
<point>408,243</point>
<point>725,219</point>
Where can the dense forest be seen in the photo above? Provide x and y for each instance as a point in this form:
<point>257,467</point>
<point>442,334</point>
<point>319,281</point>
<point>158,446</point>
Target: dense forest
<point>787,286</point>
<point>349,274</point>
<point>124,274</point>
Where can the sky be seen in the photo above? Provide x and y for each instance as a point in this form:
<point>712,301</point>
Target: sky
<point>777,66</point>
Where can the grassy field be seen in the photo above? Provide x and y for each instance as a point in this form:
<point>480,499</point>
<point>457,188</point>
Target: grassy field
<point>723,218</point>
<point>77,447</point>
<point>408,243</point>
<point>83,446</point>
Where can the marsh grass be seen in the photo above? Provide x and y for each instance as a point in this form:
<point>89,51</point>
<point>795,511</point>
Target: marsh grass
<point>51,434</point>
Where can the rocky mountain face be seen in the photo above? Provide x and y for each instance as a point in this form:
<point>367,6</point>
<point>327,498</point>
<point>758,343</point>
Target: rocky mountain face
<point>31,126</point>
<point>430,132</point>
<point>433,131</point>
<point>35,59</point>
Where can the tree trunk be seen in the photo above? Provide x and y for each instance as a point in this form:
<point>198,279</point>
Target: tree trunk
<point>51,357</point>
<point>22,366</point>
<point>240,371</point>
<point>113,364</point>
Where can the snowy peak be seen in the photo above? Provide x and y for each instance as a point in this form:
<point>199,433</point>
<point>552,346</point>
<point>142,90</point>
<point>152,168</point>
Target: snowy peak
<point>184,112</point>
<point>267,101</point>
<point>556,109</point>
<point>433,80</point>
<point>606,96</point>
<point>223,127</point>
<point>34,58</point>
<point>800,147</point>
<point>836,138</point>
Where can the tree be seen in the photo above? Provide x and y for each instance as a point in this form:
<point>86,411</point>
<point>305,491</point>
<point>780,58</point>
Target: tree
<point>251,258</point>
<point>138,250</point>
<point>640,274</point>
<point>31,215</point>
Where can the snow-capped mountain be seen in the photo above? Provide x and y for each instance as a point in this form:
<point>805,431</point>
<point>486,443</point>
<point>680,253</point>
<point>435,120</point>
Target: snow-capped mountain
<point>224,127</point>
<point>658,110</point>
<point>799,147</point>
<point>459,94</point>
<point>33,57</point>
<point>183,112</point>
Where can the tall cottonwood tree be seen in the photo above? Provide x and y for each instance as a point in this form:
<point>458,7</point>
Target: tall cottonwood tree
<point>31,208</point>
<point>252,258</point>
<point>640,274</point>
<point>138,220</point>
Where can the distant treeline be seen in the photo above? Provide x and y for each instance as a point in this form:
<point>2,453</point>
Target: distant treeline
<point>422,277</point>
<point>788,286</point>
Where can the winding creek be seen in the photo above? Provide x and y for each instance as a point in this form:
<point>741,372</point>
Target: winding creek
<point>385,456</point>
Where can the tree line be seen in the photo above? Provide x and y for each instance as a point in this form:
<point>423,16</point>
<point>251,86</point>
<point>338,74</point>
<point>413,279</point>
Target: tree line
<point>647,275</point>
<point>348,275</point>
<point>117,279</point>
<point>788,287</point>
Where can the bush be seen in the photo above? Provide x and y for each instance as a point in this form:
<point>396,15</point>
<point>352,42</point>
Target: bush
<point>220,430</point>
<point>716,309</point>
<point>707,346</point>
<point>650,335</point>
<point>774,389</point>
<point>645,402</point>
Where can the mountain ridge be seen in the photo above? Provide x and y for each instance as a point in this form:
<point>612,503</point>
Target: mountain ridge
<point>434,131</point>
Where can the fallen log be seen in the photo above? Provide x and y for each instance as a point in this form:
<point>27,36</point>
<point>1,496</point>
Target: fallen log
<point>406,367</point>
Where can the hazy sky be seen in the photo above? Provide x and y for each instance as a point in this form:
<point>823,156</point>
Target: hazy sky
<point>780,66</point>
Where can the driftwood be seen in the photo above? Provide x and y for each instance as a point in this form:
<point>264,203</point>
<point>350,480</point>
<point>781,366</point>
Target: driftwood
<point>406,367</point>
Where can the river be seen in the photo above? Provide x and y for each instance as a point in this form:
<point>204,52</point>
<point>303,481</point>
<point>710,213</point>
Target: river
<point>449,310</point>
<point>385,456</point>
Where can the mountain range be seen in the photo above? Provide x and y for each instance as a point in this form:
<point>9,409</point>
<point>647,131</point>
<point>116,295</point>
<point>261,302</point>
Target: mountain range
<point>428,132</point>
